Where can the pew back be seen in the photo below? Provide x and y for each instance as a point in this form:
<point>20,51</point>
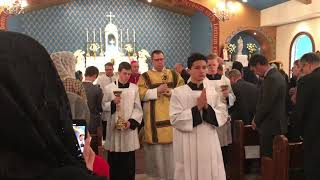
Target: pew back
<point>242,136</point>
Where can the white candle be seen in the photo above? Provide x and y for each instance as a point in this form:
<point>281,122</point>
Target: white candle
<point>87,35</point>
<point>121,35</point>
<point>134,36</point>
<point>94,35</point>
<point>127,35</point>
<point>117,82</point>
<point>100,36</point>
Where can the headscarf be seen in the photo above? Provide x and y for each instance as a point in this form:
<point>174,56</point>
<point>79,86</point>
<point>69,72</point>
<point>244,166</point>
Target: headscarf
<point>65,63</point>
<point>36,131</point>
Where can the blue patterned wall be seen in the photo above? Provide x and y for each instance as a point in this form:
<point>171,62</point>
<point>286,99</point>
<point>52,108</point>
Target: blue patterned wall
<point>63,27</point>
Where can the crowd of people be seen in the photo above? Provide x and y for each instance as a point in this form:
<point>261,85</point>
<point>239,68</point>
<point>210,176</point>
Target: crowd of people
<point>181,117</point>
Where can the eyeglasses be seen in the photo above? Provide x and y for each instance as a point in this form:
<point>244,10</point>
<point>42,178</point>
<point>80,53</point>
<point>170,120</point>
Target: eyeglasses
<point>159,59</point>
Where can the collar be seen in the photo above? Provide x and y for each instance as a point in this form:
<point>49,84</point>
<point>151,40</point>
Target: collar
<point>195,87</point>
<point>153,69</point>
<point>87,81</point>
<point>214,76</point>
<point>120,85</point>
<point>268,70</point>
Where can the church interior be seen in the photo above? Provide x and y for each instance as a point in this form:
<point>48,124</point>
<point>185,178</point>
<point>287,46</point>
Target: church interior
<point>116,31</point>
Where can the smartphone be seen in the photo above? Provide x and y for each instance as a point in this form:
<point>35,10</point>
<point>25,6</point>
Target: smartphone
<point>80,130</point>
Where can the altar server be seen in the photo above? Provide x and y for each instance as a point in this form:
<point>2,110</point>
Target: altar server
<point>196,110</point>
<point>122,143</point>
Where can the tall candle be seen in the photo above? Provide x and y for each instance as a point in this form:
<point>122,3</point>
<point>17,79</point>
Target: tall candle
<point>127,35</point>
<point>134,36</point>
<point>100,36</point>
<point>87,35</point>
<point>121,35</point>
<point>94,35</point>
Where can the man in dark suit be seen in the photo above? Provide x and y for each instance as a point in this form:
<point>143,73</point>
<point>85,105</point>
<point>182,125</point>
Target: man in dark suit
<point>94,96</point>
<point>270,118</point>
<point>246,98</point>
<point>182,71</point>
<point>306,117</point>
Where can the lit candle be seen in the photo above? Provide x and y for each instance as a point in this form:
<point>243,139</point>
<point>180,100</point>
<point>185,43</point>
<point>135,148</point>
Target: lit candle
<point>100,36</point>
<point>127,35</point>
<point>94,35</point>
<point>134,36</point>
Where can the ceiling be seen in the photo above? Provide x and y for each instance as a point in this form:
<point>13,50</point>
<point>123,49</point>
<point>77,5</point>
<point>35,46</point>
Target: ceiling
<point>263,4</point>
<point>166,4</point>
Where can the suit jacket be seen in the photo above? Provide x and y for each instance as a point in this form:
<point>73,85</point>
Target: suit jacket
<point>306,120</point>
<point>246,100</point>
<point>270,117</point>
<point>94,96</point>
<point>185,75</point>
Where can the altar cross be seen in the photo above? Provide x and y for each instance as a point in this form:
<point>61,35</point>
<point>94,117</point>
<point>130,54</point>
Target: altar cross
<point>110,16</point>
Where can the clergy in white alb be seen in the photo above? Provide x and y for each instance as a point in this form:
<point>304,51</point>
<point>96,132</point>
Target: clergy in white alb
<point>121,144</point>
<point>195,112</point>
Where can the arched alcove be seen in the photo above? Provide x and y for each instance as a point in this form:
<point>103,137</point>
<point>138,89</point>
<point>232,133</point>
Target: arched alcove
<point>266,43</point>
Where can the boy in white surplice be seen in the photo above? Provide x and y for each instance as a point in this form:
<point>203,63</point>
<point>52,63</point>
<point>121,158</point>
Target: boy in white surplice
<point>121,144</point>
<point>195,111</point>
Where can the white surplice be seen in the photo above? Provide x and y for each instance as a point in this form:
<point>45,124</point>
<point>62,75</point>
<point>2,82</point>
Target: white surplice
<point>197,152</point>
<point>126,140</point>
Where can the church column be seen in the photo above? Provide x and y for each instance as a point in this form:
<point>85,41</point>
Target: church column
<point>3,21</point>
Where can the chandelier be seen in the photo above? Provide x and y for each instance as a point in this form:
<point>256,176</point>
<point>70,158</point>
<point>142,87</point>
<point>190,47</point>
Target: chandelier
<point>13,7</point>
<point>225,10</point>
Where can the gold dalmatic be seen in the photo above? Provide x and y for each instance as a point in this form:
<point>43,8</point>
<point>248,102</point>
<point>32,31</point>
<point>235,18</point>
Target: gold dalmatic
<point>158,129</point>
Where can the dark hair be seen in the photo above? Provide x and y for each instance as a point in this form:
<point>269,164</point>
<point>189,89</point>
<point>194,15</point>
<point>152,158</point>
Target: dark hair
<point>237,65</point>
<point>311,58</point>
<point>109,64</point>
<point>124,65</point>
<point>220,67</point>
<point>78,74</point>
<point>156,52</point>
<point>258,59</point>
<point>196,57</point>
<point>91,71</point>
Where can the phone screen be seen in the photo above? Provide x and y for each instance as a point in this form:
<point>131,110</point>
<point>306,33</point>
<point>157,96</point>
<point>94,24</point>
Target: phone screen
<point>80,132</point>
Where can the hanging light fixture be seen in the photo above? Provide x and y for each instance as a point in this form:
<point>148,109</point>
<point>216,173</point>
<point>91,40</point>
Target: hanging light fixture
<point>224,10</point>
<point>13,7</point>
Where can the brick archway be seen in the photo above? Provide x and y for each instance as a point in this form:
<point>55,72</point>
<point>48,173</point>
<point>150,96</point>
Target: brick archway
<point>3,21</point>
<point>214,21</point>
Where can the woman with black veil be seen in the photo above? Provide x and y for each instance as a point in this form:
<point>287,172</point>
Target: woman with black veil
<point>38,141</point>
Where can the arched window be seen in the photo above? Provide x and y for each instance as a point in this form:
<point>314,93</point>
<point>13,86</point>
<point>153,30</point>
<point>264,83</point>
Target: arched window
<point>302,43</point>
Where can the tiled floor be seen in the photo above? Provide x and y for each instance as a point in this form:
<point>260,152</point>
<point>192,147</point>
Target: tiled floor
<point>140,168</point>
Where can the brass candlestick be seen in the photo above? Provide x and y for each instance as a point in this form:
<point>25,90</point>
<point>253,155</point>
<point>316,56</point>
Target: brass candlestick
<point>120,123</point>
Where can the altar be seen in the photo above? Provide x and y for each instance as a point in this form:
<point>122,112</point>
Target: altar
<point>114,49</point>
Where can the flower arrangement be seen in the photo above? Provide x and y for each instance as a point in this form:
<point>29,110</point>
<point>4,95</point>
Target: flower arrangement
<point>252,48</point>
<point>94,47</point>
<point>231,48</point>
<point>129,49</point>
<point>144,54</point>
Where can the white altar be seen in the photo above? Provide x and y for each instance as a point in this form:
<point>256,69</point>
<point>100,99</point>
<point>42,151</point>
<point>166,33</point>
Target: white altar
<point>243,59</point>
<point>113,50</point>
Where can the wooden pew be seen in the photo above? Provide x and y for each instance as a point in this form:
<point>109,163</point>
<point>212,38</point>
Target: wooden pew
<point>243,135</point>
<point>286,162</point>
<point>96,142</point>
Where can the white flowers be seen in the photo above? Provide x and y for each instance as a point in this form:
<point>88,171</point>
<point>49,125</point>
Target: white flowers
<point>231,48</point>
<point>252,48</point>
<point>144,54</point>
<point>94,47</point>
